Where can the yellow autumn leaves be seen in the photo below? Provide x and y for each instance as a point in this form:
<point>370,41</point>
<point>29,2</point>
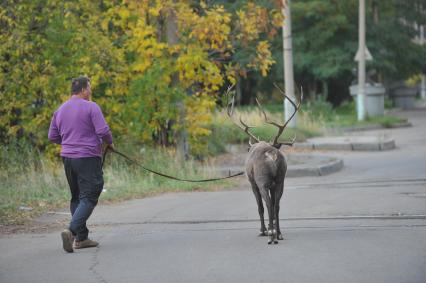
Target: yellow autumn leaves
<point>137,76</point>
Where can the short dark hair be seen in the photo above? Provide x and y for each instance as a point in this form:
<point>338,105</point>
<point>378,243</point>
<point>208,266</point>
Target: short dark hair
<point>78,84</point>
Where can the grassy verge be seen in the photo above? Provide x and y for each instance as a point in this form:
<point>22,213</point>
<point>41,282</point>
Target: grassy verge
<point>224,131</point>
<point>346,116</point>
<point>32,184</point>
<point>29,184</point>
<point>326,116</point>
<point>349,121</point>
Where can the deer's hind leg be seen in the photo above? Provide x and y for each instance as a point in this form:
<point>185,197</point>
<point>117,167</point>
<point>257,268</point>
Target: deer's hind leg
<point>260,208</point>
<point>264,192</point>
<point>278,194</point>
<point>273,226</point>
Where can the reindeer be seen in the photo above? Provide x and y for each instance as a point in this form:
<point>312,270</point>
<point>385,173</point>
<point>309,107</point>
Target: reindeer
<point>266,168</point>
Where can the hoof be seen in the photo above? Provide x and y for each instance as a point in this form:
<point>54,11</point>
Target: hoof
<point>262,234</point>
<point>280,237</point>
<point>275,241</point>
<point>269,242</point>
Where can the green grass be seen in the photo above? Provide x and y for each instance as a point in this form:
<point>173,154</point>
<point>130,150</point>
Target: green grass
<point>346,116</point>
<point>232,134</point>
<point>351,120</point>
<point>224,130</point>
<point>27,180</point>
<point>343,116</point>
<point>30,180</point>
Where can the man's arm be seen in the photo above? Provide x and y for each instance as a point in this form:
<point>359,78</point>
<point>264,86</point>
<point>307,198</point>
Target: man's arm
<point>54,135</point>
<point>101,127</point>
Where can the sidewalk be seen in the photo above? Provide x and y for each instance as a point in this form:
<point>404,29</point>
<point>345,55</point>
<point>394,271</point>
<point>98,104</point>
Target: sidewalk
<point>363,138</point>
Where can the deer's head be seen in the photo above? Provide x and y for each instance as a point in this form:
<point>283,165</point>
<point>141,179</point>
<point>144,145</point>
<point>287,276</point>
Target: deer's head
<point>242,125</point>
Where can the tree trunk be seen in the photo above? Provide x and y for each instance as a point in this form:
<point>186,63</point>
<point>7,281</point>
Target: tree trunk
<point>172,39</point>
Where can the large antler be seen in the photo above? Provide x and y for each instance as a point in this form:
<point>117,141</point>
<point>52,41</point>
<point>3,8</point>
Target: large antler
<point>230,110</point>
<point>282,127</point>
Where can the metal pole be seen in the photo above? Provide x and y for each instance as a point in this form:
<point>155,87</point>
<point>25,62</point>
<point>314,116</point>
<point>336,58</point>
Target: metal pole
<point>288,65</point>
<point>423,77</point>
<point>361,63</point>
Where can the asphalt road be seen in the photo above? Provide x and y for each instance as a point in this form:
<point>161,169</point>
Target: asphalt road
<point>366,223</point>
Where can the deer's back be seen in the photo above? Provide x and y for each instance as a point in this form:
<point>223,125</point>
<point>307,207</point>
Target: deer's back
<point>265,164</point>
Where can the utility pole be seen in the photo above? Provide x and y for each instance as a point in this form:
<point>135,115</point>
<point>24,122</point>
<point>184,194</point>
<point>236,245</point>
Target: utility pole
<point>288,65</point>
<point>360,102</point>
<point>423,76</point>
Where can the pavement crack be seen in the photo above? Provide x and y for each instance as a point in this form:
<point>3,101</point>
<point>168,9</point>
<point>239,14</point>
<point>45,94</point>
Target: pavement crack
<point>94,264</point>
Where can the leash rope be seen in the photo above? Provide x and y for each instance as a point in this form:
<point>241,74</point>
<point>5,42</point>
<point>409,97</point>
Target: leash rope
<point>165,175</point>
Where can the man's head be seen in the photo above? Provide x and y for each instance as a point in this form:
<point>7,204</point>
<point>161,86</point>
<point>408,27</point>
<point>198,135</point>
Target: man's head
<point>81,86</point>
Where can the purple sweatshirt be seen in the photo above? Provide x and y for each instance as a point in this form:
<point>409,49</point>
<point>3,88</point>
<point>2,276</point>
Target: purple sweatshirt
<point>79,126</point>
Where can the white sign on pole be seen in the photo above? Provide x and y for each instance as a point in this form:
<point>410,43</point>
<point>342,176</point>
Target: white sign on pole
<point>368,56</point>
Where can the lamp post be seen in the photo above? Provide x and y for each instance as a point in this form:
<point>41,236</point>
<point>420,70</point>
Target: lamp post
<point>288,65</point>
<point>423,76</point>
<point>360,102</point>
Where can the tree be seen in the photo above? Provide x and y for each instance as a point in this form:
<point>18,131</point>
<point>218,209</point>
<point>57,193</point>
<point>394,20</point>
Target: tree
<point>122,46</point>
<point>325,42</point>
<point>44,44</point>
<point>396,56</point>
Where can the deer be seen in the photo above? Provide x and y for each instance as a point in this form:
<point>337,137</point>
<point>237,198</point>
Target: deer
<point>266,168</point>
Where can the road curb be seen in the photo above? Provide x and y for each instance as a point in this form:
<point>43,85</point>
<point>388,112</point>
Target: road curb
<point>298,165</point>
<point>376,127</point>
<point>327,166</point>
<point>347,143</point>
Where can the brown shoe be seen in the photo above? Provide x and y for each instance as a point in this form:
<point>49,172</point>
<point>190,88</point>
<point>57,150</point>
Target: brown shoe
<point>85,244</point>
<point>67,240</point>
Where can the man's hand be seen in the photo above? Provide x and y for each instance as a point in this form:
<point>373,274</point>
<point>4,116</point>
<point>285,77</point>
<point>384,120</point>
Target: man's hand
<point>110,146</point>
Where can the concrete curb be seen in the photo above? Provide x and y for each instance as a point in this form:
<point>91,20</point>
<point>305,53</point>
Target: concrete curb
<point>299,165</point>
<point>376,127</point>
<point>348,143</point>
<point>323,166</point>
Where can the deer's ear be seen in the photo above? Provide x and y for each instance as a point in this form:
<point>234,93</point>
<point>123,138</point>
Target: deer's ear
<point>278,145</point>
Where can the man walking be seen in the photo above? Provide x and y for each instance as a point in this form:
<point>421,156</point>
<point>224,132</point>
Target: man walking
<point>80,128</point>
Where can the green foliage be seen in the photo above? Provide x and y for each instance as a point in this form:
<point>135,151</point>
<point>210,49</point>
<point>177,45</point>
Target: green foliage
<point>150,104</point>
<point>325,35</point>
<point>325,41</point>
<point>345,116</point>
<point>388,103</point>
<point>319,108</point>
<point>44,45</point>
<point>138,75</point>
<point>390,39</point>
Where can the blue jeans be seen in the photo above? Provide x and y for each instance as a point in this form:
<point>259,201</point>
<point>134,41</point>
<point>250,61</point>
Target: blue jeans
<point>85,179</point>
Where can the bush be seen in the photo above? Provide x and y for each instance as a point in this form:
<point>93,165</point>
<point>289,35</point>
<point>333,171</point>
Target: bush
<point>319,108</point>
